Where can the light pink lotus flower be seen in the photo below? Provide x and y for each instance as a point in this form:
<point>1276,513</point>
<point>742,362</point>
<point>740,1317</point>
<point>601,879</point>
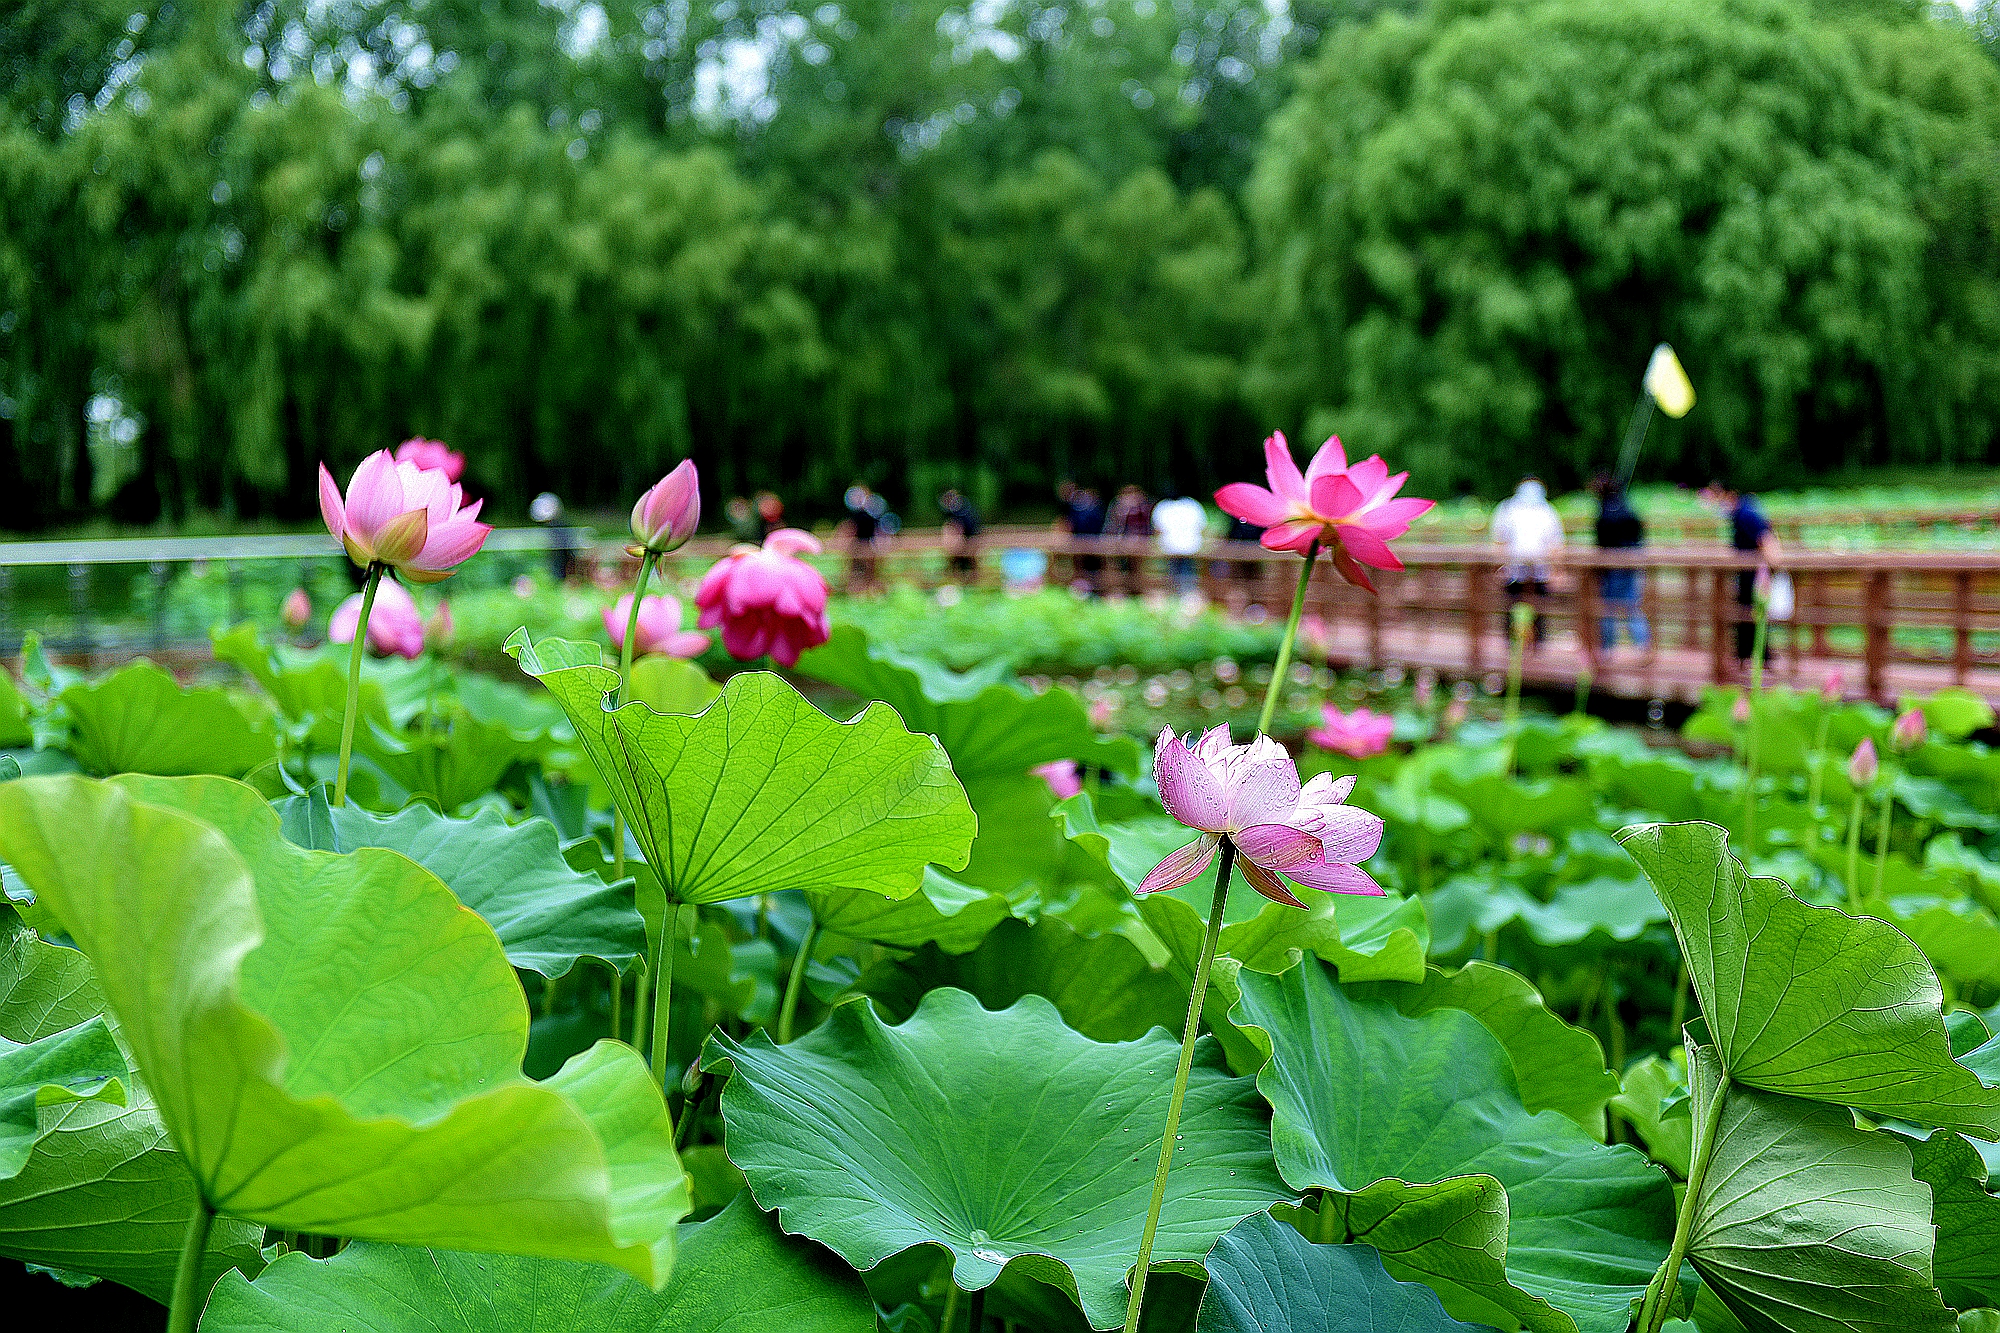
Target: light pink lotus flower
<point>1351,511</point>
<point>667,515</point>
<point>1739,712</point>
<point>1102,709</point>
<point>1250,794</point>
<point>1834,688</point>
<point>440,627</point>
<point>1063,776</point>
<point>1863,766</point>
<point>433,454</point>
<point>297,610</point>
<point>412,519</point>
<point>766,599</point>
<point>1909,731</point>
<point>395,626</point>
<point>659,628</point>
<point>1357,734</point>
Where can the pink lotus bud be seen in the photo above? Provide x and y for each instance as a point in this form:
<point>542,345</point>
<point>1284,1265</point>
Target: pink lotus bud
<point>396,514</point>
<point>1101,711</point>
<point>1908,733</point>
<point>297,610</point>
<point>766,599</point>
<point>1834,688</point>
<point>659,628</point>
<point>440,627</point>
<point>1352,512</point>
<point>395,628</point>
<point>433,454</point>
<point>1739,713</point>
<point>1063,778</point>
<point>524,587</point>
<point>1761,585</point>
<point>1862,768</point>
<point>667,515</point>
<point>1358,734</point>
<point>1251,795</point>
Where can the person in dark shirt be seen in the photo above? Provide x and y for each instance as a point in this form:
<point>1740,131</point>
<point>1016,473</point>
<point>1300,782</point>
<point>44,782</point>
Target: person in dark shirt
<point>1619,528</point>
<point>961,532</point>
<point>864,523</point>
<point>1132,518</point>
<point>1749,531</point>
<point>1085,520</point>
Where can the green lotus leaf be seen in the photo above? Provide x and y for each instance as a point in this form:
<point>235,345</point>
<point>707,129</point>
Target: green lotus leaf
<point>763,792</point>
<point>334,1042</point>
<point>1961,939</point>
<point>1264,1277</point>
<point>78,1064</point>
<point>990,724</point>
<point>15,732</point>
<point>1415,1128</point>
<point>1101,985</point>
<point>309,685</point>
<point>1557,1067</point>
<point>946,912</point>
<point>546,914</point>
<point>140,720</point>
<point>1005,1138</point>
<point>1806,1224</point>
<point>1967,1217</point>
<point>1506,806</point>
<point>452,764</point>
<point>1649,1083</point>
<point>1805,1000</point>
<point>737,1273</point>
<point>671,685</point>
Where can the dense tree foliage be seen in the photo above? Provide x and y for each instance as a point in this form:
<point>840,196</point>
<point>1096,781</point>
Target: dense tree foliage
<point>986,245</point>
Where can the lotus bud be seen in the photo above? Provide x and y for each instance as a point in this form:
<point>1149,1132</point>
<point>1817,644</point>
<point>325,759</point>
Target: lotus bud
<point>1862,768</point>
<point>1834,688</point>
<point>1740,712</point>
<point>1908,733</point>
<point>297,610</point>
<point>667,515</point>
<point>440,627</point>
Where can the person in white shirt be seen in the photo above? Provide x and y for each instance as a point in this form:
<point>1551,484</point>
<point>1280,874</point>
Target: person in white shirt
<point>1181,524</point>
<point>1528,528</point>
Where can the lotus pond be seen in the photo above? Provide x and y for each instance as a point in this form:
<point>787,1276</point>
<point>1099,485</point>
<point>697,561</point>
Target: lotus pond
<point>1684,1031</point>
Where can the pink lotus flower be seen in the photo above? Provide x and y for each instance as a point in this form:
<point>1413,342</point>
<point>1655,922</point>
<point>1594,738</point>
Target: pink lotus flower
<point>667,515</point>
<point>1908,733</point>
<point>1834,688</point>
<point>766,599</point>
<point>1357,734</point>
<point>1739,712</point>
<point>397,514</point>
<point>432,454</point>
<point>1352,511</point>
<point>659,628</point>
<point>1064,778</point>
<point>440,626</point>
<point>297,610</point>
<point>1862,768</point>
<point>1250,794</point>
<point>395,626</point>
<point>1102,709</point>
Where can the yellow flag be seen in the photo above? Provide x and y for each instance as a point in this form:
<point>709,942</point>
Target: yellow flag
<point>1668,383</point>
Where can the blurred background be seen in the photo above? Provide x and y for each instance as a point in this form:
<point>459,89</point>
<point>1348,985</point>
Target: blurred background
<point>923,244</point>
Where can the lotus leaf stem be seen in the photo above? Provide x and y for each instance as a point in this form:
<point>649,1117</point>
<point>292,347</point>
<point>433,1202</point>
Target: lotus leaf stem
<point>188,1295</point>
<point>354,683</point>
<point>950,1308</point>
<point>1819,762</point>
<point>625,688</point>
<point>1756,697</point>
<point>1516,649</point>
<point>1882,837</point>
<point>795,982</point>
<point>1854,856</point>
<point>1659,1299</point>
<point>975,1313</point>
<point>663,997</point>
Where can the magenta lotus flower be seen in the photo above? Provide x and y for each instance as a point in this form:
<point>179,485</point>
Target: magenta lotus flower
<point>1863,766</point>
<point>1250,794</point>
<point>297,610</point>
<point>432,454</point>
<point>1739,712</point>
<point>1909,731</point>
<point>659,628</point>
<point>667,515</point>
<point>766,599</point>
<point>1064,778</point>
<point>1357,734</point>
<point>411,519</point>
<point>1351,511</point>
<point>1834,688</point>
<point>395,626</point>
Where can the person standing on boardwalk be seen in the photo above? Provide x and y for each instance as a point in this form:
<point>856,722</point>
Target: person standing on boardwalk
<point>960,532</point>
<point>1619,528</point>
<point>1749,532</point>
<point>1527,527</point>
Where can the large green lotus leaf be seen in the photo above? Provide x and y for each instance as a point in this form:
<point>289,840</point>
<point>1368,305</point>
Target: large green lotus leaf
<point>763,792</point>
<point>334,1041</point>
<point>1961,939</point>
<point>1415,1127</point>
<point>454,764</point>
<point>1807,1000</point>
<point>546,914</point>
<point>1557,1067</point>
<point>1649,1083</point>
<point>1805,1223</point>
<point>1101,985</point>
<point>671,685</point>
<point>1506,806</point>
<point>310,684</point>
<point>1264,1277</point>
<point>946,912</point>
<point>140,720</point>
<point>1006,1138</point>
<point>1967,1264</point>
<point>15,732</point>
<point>737,1273</point>
<point>75,1065</point>
<point>1368,938</point>
<point>989,723</point>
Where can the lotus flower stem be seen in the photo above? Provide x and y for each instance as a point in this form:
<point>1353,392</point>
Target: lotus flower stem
<point>1854,856</point>
<point>663,997</point>
<point>624,687</point>
<point>1659,1298</point>
<point>1284,661</point>
<point>1750,750</point>
<point>188,1295</point>
<point>640,1013</point>
<point>795,982</point>
<point>617,995</point>
<point>1167,1139</point>
<point>354,683</point>
<point>1819,763</point>
<point>1516,649</point>
<point>1882,838</point>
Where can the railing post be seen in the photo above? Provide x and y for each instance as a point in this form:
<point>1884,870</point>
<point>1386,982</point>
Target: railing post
<point>1875,614</point>
<point>1375,628</point>
<point>1478,581</point>
<point>234,571</point>
<point>1721,629</point>
<point>1961,625</point>
<point>1816,588</point>
<point>1587,609</point>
